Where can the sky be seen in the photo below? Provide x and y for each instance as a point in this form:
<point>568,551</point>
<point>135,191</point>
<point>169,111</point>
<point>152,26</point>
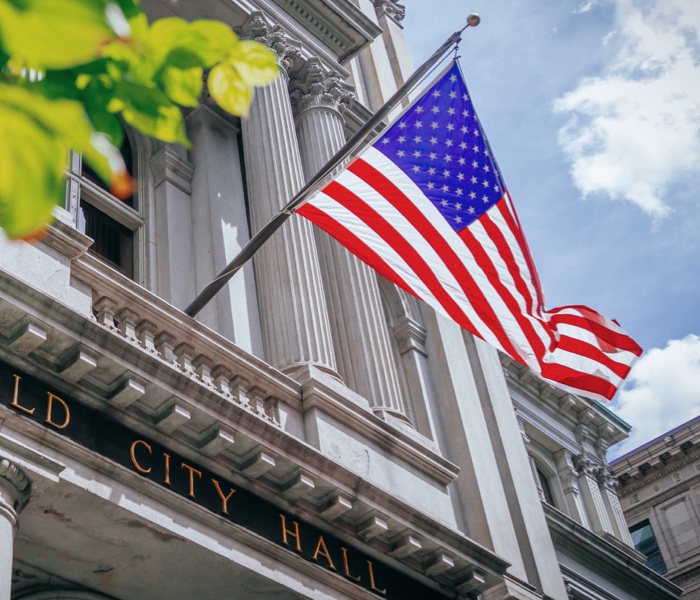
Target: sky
<point>592,110</point>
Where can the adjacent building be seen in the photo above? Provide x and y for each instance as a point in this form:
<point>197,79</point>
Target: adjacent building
<point>660,495</point>
<point>316,433</point>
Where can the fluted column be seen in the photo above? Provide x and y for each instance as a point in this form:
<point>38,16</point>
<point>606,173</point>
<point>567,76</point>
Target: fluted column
<point>608,485</point>
<point>568,475</point>
<point>360,331</point>
<point>592,497</point>
<point>14,494</point>
<point>295,325</point>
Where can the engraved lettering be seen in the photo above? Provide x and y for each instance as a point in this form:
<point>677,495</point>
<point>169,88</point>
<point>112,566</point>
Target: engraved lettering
<point>322,550</point>
<point>224,499</point>
<point>166,458</point>
<point>15,397</point>
<point>294,534</point>
<point>49,411</point>
<point>192,471</point>
<point>346,566</point>
<point>132,453</point>
<point>371,580</point>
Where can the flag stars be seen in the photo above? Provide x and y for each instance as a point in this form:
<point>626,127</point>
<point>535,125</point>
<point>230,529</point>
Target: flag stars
<point>419,109</point>
<point>474,180</point>
<point>416,154</point>
<point>460,176</point>
<point>450,111</point>
<point>431,185</point>
<point>475,148</point>
<point>459,192</point>
<point>432,156</point>
<point>475,164</point>
<point>486,183</point>
<point>435,109</point>
<point>453,78</point>
<point>464,129</point>
<point>434,125</point>
<point>416,169</point>
<point>472,195</point>
<point>402,139</point>
<point>385,141</point>
<point>418,139</point>
<point>453,95</point>
<point>471,210</point>
<point>458,220</point>
<point>463,145</point>
<point>432,171</point>
<point>458,205</point>
<point>418,124</point>
<point>445,173</point>
<point>403,125</point>
<point>401,153</point>
<point>487,168</point>
<point>450,127</point>
<point>449,143</point>
<point>462,161</point>
<point>444,202</point>
<point>433,140</point>
<point>445,188</point>
<point>485,198</point>
<point>448,158</point>
<point>436,94</point>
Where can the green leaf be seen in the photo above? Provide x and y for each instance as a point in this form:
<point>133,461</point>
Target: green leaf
<point>256,63</point>
<point>149,110</point>
<point>229,89</point>
<point>50,34</point>
<point>31,180</point>
<point>219,40</point>
<point>183,86</point>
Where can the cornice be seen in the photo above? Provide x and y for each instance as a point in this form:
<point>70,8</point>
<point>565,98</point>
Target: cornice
<point>627,486</point>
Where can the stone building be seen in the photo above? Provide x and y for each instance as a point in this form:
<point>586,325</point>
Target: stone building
<point>316,433</point>
<point>660,496</point>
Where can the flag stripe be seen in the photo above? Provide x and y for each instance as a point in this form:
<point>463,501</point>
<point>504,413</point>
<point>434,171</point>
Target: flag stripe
<point>354,244</point>
<point>388,232</point>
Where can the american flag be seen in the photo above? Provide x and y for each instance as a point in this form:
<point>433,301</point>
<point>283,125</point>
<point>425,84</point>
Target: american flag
<point>426,207</point>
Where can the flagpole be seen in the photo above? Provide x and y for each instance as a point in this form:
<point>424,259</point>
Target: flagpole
<point>256,242</point>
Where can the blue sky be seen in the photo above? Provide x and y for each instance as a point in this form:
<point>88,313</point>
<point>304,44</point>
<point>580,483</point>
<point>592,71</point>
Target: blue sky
<point>592,108</point>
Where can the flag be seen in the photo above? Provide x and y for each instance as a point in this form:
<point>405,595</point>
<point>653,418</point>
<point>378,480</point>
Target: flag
<point>426,207</point>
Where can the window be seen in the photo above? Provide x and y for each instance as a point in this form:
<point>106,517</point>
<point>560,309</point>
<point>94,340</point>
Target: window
<point>645,542</point>
<point>543,481</point>
<point>115,225</point>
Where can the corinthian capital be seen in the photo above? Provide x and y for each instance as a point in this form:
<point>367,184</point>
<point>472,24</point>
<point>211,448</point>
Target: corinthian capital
<point>390,8</point>
<point>314,87</point>
<point>257,28</point>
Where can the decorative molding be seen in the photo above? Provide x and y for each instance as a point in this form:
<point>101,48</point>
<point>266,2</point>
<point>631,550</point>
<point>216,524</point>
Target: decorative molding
<point>169,166</point>
<point>275,37</point>
<point>21,486</point>
<point>314,87</point>
<point>390,8</point>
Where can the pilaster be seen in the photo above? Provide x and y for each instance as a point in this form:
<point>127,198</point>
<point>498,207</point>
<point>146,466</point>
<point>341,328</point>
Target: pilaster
<point>15,489</point>
<point>360,331</point>
<point>608,484</point>
<point>592,498</point>
<point>220,228</point>
<point>295,325</point>
<point>568,475</point>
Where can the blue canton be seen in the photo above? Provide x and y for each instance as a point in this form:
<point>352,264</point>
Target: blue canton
<point>439,144</point>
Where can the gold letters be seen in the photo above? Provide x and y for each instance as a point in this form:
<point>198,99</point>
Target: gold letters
<point>192,472</point>
<point>224,499</point>
<point>134,462</point>
<point>166,479</point>
<point>294,534</point>
<point>15,397</point>
<point>346,567</point>
<point>323,551</point>
<point>49,410</point>
<point>371,580</point>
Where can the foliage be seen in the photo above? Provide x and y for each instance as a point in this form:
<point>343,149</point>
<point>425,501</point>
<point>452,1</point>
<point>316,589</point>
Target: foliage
<point>72,70</point>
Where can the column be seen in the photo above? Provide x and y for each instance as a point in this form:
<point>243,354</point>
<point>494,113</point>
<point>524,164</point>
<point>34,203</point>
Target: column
<point>220,227</point>
<point>295,325</point>
<point>568,475</point>
<point>360,331</point>
<point>15,489</point>
<point>592,498</point>
<point>608,484</point>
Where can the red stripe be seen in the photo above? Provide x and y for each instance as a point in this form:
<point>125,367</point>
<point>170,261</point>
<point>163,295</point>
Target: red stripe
<point>577,380</point>
<point>514,224</point>
<point>390,192</point>
<point>391,236</point>
<point>486,263</point>
<point>353,243</point>
<point>587,350</point>
<point>614,340</point>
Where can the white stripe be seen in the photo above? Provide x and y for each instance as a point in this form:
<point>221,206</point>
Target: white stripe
<point>582,364</point>
<point>623,357</point>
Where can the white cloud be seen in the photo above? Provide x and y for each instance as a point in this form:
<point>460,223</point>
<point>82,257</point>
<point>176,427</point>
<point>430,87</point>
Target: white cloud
<point>662,392</point>
<point>635,129</point>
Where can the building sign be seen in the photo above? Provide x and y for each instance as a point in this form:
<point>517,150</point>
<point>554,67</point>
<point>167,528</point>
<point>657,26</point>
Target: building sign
<point>30,398</point>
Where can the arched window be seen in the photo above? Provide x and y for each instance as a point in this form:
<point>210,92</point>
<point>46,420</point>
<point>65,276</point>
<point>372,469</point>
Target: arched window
<point>545,487</point>
<point>114,224</point>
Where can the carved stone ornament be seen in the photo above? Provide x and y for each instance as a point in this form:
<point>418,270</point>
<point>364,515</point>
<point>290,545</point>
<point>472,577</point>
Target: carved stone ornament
<point>314,87</point>
<point>18,482</point>
<point>391,8</point>
<point>257,29</point>
<point>585,466</point>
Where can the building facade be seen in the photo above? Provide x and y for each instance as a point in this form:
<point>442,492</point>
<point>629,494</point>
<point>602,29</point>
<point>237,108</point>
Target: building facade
<point>316,433</point>
<point>660,496</point>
